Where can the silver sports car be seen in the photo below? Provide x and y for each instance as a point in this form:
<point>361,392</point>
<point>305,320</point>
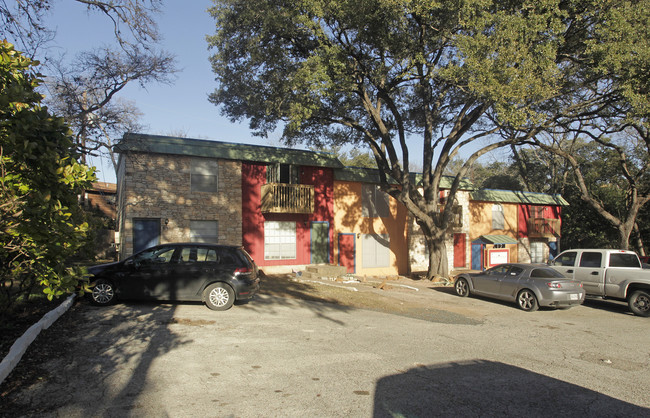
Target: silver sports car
<point>530,285</point>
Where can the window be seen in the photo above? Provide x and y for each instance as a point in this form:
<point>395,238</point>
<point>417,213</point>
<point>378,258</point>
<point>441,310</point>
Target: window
<point>497,216</point>
<point>204,175</point>
<point>376,252</point>
<point>591,259</point>
<point>546,273</point>
<point>154,256</point>
<point>566,259</point>
<point>536,252</point>
<point>623,260</point>
<point>198,255</point>
<point>279,240</point>
<point>204,231</point>
<point>498,270</point>
<point>374,201</point>
<point>282,173</point>
<point>537,211</point>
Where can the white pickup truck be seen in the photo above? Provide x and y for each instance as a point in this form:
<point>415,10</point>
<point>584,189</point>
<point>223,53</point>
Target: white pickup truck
<point>610,274</point>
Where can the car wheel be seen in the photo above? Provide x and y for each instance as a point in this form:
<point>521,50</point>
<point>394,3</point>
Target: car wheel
<point>527,300</point>
<point>639,303</point>
<point>219,296</point>
<point>103,293</point>
<point>462,287</point>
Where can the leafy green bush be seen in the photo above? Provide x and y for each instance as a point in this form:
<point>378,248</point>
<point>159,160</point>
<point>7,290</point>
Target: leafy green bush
<point>41,223</point>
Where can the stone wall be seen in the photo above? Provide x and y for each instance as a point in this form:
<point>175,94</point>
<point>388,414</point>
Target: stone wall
<point>157,186</point>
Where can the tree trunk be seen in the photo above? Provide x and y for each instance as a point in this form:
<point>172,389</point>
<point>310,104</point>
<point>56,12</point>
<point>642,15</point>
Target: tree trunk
<point>624,232</point>
<point>438,264</point>
<point>639,241</point>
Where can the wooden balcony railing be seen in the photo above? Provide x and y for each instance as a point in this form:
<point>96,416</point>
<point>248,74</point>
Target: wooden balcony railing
<point>287,198</point>
<point>543,228</point>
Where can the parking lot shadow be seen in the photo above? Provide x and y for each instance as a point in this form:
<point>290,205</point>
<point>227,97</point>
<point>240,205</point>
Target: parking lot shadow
<point>91,360</point>
<point>486,388</point>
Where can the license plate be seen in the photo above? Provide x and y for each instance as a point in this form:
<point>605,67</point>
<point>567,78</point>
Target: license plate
<point>573,296</point>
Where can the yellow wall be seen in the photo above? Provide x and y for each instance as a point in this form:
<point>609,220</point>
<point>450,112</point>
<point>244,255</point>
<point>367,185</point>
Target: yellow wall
<point>348,218</point>
<point>480,214</point>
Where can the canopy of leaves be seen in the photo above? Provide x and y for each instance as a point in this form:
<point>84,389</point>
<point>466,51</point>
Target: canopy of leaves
<point>383,72</point>
<point>41,223</point>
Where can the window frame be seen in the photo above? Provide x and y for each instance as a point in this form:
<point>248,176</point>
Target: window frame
<point>373,253</point>
<point>375,203</point>
<point>498,218</point>
<point>204,238</point>
<point>280,235</point>
<point>204,175</point>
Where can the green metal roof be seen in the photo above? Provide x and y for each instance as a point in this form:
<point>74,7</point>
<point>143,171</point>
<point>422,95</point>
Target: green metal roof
<point>360,174</point>
<point>510,196</point>
<point>224,150</point>
<point>496,239</point>
<point>371,175</point>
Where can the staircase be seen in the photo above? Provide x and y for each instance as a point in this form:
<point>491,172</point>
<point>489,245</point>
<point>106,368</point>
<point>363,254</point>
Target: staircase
<point>324,271</point>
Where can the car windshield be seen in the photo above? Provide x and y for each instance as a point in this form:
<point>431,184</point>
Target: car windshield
<point>546,273</point>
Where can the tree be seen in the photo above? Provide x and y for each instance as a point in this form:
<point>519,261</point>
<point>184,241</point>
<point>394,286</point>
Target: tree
<point>609,107</point>
<point>352,158</point>
<point>41,223</point>
<point>381,73</point>
<point>611,176</point>
<point>84,91</point>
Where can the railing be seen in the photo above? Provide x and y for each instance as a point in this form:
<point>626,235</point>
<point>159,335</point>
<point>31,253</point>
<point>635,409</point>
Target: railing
<point>287,198</point>
<point>543,227</point>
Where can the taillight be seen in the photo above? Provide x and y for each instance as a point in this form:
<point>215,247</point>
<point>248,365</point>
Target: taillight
<point>553,285</point>
<point>242,270</point>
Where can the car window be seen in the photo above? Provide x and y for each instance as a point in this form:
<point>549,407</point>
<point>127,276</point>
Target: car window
<point>227,256</point>
<point>546,273</point>
<point>498,270</point>
<point>197,255</point>
<point>591,259</point>
<point>566,259</point>
<point>623,260</point>
<point>515,271</point>
<point>155,256</point>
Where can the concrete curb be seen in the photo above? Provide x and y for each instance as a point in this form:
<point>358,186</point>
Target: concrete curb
<point>20,346</point>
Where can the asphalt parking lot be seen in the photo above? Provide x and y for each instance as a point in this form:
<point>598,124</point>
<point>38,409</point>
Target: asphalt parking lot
<point>280,356</point>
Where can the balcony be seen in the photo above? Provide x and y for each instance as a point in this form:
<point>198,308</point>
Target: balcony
<point>543,228</point>
<point>287,198</point>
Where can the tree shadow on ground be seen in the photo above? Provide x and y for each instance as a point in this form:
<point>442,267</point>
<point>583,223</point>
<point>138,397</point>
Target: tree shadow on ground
<point>75,359</point>
<point>486,388</point>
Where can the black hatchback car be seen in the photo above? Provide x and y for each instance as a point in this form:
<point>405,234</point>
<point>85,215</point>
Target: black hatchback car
<point>217,275</point>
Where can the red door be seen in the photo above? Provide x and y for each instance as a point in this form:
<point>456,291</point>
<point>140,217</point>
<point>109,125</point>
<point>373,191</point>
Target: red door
<point>347,251</point>
<point>460,250</point>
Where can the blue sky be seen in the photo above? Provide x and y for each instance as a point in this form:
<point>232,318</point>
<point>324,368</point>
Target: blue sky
<point>167,109</point>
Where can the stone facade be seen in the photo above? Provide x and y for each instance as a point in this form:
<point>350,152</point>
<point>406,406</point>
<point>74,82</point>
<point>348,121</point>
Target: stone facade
<point>157,186</point>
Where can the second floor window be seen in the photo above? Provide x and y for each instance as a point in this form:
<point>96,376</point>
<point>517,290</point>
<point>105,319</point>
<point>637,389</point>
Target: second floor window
<point>537,212</point>
<point>282,173</point>
<point>374,202</point>
<point>204,175</point>
<point>497,216</point>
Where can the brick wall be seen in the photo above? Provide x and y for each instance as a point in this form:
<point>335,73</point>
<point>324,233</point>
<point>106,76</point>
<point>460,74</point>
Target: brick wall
<point>157,186</point>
